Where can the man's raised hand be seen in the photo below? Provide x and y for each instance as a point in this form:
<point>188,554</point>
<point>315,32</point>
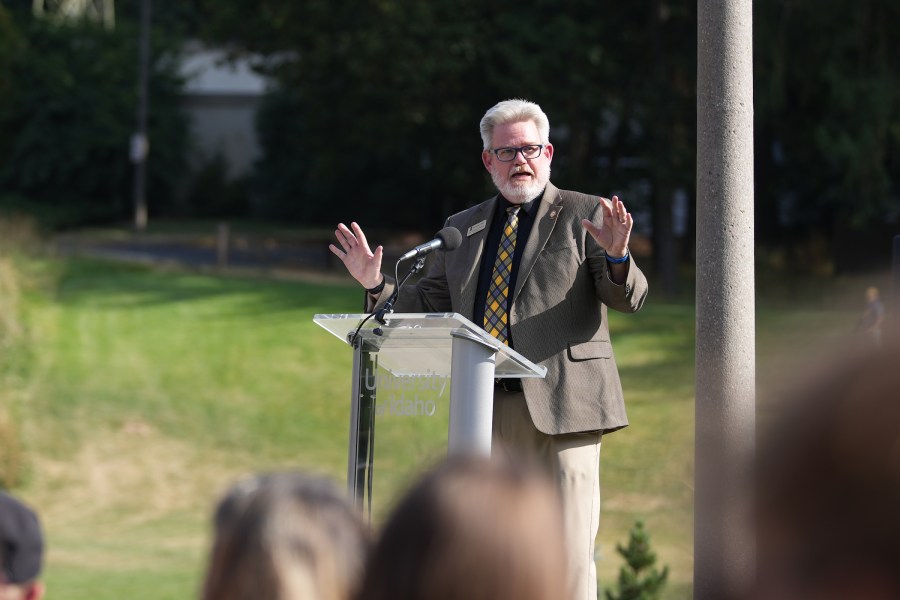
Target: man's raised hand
<point>613,235</point>
<point>363,264</point>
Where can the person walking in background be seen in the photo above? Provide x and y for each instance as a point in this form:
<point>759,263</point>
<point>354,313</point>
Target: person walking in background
<point>872,321</point>
<point>286,536</point>
<point>473,529</point>
<point>537,268</point>
<point>21,551</point>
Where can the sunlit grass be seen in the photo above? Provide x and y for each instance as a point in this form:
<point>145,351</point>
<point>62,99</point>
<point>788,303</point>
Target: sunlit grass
<point>145,392</point>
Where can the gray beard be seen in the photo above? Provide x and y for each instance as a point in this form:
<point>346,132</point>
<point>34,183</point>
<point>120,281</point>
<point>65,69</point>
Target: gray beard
<point>519,193</point>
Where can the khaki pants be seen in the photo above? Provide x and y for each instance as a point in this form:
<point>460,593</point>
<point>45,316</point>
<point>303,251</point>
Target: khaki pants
<point>574,459</point>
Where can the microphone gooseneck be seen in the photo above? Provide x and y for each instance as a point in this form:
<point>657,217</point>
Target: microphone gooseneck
<point>448,238</point>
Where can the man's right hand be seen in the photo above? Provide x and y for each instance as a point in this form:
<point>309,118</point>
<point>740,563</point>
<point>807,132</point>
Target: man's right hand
<point>363,264</point>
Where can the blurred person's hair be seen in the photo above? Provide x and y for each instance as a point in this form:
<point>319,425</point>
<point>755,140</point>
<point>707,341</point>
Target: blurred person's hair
<point>21,550</point>
<point>472,529</point>
<point>828,473</point>
<point>286,536</point>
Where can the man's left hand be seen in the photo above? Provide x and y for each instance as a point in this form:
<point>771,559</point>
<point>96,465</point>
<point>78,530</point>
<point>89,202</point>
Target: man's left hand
<point>615,231</point>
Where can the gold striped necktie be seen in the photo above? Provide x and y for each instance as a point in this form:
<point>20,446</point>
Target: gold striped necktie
<point>496,317</point>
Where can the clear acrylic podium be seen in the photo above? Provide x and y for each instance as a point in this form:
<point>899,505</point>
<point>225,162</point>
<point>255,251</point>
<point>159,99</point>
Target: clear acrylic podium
<point>424,345</point>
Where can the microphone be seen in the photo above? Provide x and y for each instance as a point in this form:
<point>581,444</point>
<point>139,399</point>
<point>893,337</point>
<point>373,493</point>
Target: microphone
<point>448,238</point>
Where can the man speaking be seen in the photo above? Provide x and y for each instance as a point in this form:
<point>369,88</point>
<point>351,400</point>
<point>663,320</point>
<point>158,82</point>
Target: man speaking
<point>537,267</point>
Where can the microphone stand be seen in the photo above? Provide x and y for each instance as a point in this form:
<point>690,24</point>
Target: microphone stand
<point>386,309</point>
<point>449,238</point>
<point>388,306</point>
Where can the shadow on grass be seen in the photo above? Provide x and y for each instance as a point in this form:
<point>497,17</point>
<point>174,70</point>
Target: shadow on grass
<point>108,284</point>
<point>655,350</point>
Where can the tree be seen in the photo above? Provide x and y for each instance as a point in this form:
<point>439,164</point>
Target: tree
<point>385,98</point>
<point>828,122</point>
<point>638,579</point>
<point>66,121</point>
<point>12,47</point>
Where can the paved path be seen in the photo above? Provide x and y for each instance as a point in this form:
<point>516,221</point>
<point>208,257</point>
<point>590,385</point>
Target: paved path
<point>283,258</point>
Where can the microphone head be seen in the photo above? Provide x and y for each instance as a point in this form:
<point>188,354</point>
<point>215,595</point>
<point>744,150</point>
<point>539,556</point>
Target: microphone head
<point>450,238</point>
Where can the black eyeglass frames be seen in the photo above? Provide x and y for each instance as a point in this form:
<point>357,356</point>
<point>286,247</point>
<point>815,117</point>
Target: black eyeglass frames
<point>508,154</point>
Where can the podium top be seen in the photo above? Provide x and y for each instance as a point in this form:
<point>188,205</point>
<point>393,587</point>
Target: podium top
<point>420,343</point>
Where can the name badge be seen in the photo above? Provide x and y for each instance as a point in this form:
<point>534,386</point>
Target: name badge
<point>476,228</point>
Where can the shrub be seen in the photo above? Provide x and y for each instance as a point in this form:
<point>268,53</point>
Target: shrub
<point>638,579</point>
<point>66,122</point>
<point>12,455</point>
<point>17,237</point>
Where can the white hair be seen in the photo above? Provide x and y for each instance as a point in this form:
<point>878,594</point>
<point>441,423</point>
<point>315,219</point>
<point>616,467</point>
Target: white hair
<point>513,111</point>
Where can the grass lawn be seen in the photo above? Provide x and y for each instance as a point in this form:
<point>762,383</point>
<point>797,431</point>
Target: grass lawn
<point>142,393</point>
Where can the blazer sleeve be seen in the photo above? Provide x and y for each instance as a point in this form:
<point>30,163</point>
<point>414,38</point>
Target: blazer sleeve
<point>429,294</point>
<point>626,297</point>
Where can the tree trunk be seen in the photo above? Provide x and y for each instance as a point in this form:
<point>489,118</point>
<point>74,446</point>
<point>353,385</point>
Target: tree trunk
<point>665,251</point>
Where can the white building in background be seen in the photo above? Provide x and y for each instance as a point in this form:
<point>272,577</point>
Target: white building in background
<point>101,11</point>
<point>221,99</point>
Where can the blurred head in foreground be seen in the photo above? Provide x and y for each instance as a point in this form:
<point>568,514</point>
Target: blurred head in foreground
<point>472,529</point>
<point>829,484</point>
<point>21,551</point>
<point>286,536</point>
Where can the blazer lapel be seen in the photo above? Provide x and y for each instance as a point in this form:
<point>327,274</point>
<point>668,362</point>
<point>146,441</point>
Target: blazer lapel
<point>474,249</point>
<point>545,221</point>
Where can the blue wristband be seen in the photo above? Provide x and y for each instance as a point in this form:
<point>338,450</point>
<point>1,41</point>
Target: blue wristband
<point>617,261</point>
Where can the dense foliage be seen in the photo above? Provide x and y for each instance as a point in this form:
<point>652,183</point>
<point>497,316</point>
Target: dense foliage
<point>828,124</point>
<point>67,114</point>
<point>376,112</point>
<point>377,118</point>
<point>380,100</point>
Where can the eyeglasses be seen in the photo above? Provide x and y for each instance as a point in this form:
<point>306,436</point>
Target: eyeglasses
<point>508,154</point>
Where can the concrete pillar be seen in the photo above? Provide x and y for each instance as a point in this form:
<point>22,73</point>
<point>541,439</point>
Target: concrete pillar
<point>724,558</point>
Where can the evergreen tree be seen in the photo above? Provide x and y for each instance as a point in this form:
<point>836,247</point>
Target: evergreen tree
<point>638,579</point>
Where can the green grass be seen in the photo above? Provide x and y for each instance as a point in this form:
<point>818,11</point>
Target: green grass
<point>145,392</point>
<point>646,469</point>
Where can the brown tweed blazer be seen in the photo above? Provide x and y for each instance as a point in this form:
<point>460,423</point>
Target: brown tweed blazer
<point>558,314</point>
